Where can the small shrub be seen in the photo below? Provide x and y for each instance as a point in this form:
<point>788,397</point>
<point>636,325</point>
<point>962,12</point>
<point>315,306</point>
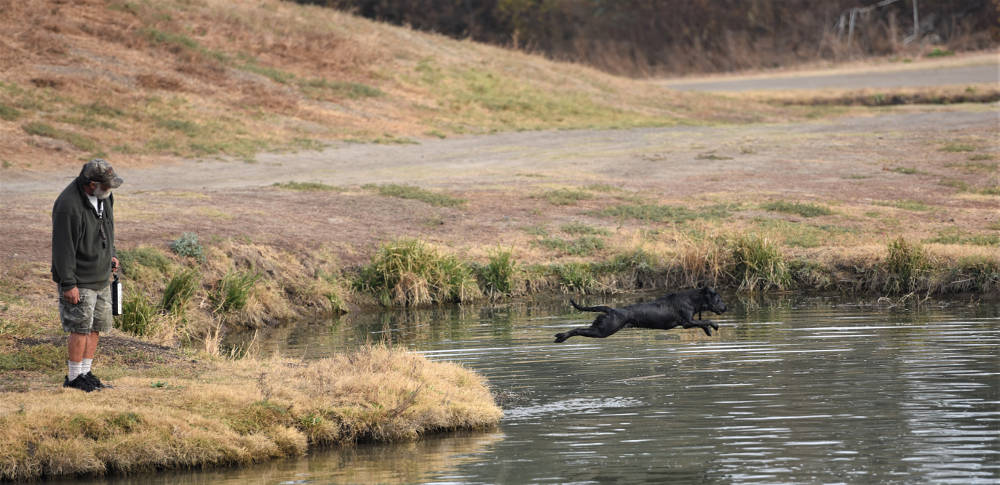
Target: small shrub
<point>233,291</point>
<point>138,315</point>
<point>187,245</point>
<point>758,264</point>
<point>180,290</point>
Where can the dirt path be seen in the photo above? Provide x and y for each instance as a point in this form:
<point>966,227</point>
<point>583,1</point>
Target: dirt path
<point>859,164</point>
<point>629,158</point>
<point>978,69</point>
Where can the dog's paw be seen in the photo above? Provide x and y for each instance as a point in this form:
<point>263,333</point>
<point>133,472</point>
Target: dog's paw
<point>561,337</point>
<point>714,325</point>
<point>708,331</point>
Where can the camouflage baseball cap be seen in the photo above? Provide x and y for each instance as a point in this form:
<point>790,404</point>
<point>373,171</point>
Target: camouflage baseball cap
<point>99,170</point>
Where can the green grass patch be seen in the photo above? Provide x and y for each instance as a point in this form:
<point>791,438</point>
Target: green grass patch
<point>957,236</point>
<point>910,205</point>
<point>326,89</point>
<point>578,228</point>
<point>565,196</point>
<point>711,156</point>
<point>416,193</point>
<point>9,113</point>
<point>80,142</point>
<point>798,208</point>
<point>582,246</point>
<point>905,170</point>
<point>665,213</point>
<point>132,259</point>
<point>939,52</point>
<point>958,147</point>
<point>308,186</point>
<point>536,230</point>
<point>34,357</point>
<point>976,164</point>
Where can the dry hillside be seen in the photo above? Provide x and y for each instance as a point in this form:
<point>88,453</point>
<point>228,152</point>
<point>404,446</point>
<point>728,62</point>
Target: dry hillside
<point>140,81</point>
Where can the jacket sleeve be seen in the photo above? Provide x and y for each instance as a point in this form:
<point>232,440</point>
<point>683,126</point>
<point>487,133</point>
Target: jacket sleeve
<point>64,235</point>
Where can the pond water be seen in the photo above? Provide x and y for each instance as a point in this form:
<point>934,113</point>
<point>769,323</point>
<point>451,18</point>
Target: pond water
<point>810,390</point>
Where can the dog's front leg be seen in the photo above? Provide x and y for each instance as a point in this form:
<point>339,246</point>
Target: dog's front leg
<point>705,325</point>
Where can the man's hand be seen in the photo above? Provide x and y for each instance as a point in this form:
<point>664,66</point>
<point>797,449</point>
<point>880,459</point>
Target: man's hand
<point>72,295</point>
<point>114,264</point>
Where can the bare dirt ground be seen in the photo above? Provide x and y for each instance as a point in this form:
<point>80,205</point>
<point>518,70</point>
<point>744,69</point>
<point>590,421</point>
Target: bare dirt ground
<point>859,162</point>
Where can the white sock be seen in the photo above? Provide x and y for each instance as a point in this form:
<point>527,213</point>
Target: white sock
<point>74,369</point>
<point>86,365</point>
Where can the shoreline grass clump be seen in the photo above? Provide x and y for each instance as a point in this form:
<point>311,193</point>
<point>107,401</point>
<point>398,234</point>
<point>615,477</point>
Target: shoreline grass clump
<point>499,275</point>
<point>758,264</point>
<point>179,290</point>
<point>238,413</point>
<point>906,266</point>
<point>233,291</point>
<point>408,272</point>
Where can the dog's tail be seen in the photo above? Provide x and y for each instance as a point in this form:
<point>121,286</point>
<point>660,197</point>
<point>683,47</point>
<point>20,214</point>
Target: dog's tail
<point>602,309</point>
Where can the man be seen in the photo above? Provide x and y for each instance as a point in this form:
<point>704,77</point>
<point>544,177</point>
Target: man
<point>83,257</point>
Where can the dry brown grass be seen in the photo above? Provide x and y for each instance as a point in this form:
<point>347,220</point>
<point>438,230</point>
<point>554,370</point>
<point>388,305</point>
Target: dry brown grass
<point>238,412</point>
<point>142,82</point>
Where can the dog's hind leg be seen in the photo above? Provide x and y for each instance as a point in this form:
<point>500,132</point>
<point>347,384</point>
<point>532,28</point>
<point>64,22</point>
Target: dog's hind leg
<point>603,326</point>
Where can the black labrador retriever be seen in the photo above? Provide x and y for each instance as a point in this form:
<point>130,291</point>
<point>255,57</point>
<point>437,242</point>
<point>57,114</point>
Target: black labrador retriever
<point>663,313</point>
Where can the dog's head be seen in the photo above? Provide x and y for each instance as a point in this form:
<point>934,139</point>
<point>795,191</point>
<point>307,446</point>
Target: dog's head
<point>712,300</point>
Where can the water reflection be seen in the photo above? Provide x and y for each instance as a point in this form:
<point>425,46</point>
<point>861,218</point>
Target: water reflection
<point>793,391</point>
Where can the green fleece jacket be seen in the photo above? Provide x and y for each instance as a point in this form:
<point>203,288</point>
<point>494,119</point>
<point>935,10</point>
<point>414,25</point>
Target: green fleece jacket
<point>81,250</point>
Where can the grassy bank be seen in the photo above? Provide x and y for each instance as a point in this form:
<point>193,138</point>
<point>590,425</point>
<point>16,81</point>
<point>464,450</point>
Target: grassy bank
<point>225,412</point>
<point>175,297</point>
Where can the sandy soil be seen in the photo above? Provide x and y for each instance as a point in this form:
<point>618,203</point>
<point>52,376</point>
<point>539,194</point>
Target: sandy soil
<point>850,162</point>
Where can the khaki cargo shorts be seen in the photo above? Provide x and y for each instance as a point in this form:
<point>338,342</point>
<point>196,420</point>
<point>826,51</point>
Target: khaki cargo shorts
<point>92,314</point>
